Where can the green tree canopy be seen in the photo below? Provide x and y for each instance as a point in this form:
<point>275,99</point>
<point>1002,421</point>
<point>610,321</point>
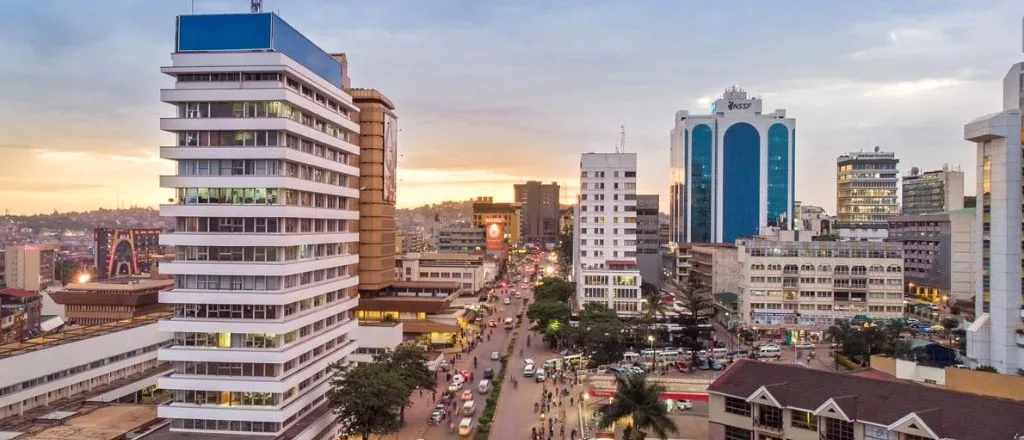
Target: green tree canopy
<point>637,403</point>
<point>367,398</point>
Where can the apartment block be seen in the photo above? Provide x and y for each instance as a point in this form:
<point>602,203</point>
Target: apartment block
<point>30,266</point>
<point>540,210</point>
<point>764,400</point>
<point>461,239</point>
<point>605,264</point>
<point>933,192</point>
<point>792,282</point>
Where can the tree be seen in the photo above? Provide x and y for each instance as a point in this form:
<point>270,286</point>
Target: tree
<point>696,299</point>
<point>543,313</point>
<point>554,289</point>
<point>601,333</point>
<point>410,362</point>
<point>637,403</point>
<point>367,398</point>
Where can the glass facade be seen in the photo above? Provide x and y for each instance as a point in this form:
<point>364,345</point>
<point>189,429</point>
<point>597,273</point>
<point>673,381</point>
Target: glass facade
<point>741,177</point>
<point>778,173</point>
<point>254,32</point>
<point>702,164</point>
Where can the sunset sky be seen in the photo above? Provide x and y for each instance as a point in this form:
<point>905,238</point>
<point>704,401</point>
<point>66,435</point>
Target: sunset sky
<point>490,93</point>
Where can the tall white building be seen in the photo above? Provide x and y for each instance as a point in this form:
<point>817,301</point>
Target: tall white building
<point>732,170</point>
<point>266,241</point>
<point>993,338</point>
<point>606,233</point>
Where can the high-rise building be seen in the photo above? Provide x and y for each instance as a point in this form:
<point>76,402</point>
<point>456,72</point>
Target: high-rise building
<point>937,255</point>
<point>125,252</point>
<point>503,222</point>
<point>734,170</point>
<point>866,193</point>
<point>933,192</point>
<point>648,238</point>
<point>993,338</point>
<point>605,235</point>
<point>540,211</point>
<point>30,266</point>
<point>378,159</point>
<point>267,200</point>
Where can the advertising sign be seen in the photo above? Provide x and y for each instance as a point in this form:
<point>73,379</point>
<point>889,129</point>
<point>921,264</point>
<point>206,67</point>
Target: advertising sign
<point>495,231</point>
<point>390,157</point>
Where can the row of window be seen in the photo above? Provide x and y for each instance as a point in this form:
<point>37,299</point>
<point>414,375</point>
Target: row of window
<point>260,167</point>
<point>759,248</point>
<point>230,398</point>
<point>10,389</point>
<point>260,138</point>
<point>601,220</point>
<point>465,275</point>
<point>260,196</point>
<point>259,225</point>
<point>601,292</point>
<point>615,185</point>
<point>600,231</point>
<point>617,280</point>
<point>261,109</point>
<point>601,174</point>
<point>256,340</point>
<point>225,425</point>
<point>260,253</point>
<point>839,269</point>
<point>258,282</point>
<point>249,311</point>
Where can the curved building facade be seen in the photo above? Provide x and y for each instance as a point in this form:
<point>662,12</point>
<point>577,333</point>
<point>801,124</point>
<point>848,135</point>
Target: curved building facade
<point>732,170</point>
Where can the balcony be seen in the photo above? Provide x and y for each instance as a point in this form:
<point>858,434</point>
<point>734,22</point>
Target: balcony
<point>761,424</point>
<point>1018,337</point>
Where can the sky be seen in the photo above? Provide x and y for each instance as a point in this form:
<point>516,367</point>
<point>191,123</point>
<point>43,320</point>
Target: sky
<point>498,92</point>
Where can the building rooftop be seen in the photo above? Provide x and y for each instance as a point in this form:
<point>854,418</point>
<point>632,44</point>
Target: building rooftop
<point>122,285</point>
<point>105,423</point>
<point>77,334</point>
<point>19,293</point>
<point>398,285</point>
<point>945,413</point>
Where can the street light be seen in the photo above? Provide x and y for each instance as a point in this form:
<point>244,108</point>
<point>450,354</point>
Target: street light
<point>654,357</point>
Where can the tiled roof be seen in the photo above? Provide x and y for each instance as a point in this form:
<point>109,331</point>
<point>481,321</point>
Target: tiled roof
<point>949,414</point>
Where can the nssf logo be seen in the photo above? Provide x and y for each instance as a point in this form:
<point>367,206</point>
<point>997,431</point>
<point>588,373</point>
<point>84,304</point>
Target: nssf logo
<point>739,105</point>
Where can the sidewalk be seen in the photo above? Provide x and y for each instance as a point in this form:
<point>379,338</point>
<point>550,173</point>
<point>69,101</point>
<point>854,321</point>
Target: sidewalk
<point>417,413</point>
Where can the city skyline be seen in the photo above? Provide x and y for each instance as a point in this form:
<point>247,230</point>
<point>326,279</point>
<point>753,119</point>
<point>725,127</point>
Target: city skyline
<point>80,132</point>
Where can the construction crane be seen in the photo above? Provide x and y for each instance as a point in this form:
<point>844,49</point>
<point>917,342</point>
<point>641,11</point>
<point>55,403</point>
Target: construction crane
<point>256,6</point>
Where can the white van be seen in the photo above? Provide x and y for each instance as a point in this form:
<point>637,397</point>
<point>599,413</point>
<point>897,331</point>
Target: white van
<point>484,386</point>
<point>468,408</point>
<point>630,356</point>
<point>769,351</point>
<point>668,354</point>
<point>528,370</point>
<point>719,352</point>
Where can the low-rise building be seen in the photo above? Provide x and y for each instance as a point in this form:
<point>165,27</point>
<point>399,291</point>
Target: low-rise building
<point>108,362</point>
<point>420,306</point>
<point>471,271</point>
<point>21,312</point>
<point>111,300</point>
<point>791,282</point>
<point>30,266</point>
<point>762,400</point>
<point>464,239</point>
<point>715,266</point>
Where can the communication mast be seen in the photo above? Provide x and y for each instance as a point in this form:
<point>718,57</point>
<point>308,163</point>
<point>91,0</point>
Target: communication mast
<point>621,147</point>
<point>256,6</point>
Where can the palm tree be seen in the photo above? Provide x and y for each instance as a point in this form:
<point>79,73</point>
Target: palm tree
<point>636,402</point>
<point>697,300</point>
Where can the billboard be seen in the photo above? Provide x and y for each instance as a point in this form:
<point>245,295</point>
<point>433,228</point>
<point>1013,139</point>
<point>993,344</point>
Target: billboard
<point>495,230</point>
<point>390,157</point>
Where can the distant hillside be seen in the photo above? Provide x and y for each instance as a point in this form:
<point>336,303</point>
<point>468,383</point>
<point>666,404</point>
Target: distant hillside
<point>114,218</point>
<point>444,212</point>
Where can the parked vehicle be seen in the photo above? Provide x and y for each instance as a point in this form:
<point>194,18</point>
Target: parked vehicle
<point>769,351</point>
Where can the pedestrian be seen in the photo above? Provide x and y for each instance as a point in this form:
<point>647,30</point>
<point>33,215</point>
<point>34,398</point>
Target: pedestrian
<point>435,396</point>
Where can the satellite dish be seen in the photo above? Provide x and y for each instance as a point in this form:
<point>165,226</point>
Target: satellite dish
<point>877,148</point>
<point>914,171</point>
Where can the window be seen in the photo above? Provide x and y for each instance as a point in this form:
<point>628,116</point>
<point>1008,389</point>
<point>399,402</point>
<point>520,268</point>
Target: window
<point>804,420</point>
<point>734,433</point>
<point>737,406</point>
<point>769,416</point>
<point>836,429</point>
<point>915,437</point>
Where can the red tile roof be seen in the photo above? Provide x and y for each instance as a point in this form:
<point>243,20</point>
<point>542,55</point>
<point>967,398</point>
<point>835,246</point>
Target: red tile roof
<point>949,414</point>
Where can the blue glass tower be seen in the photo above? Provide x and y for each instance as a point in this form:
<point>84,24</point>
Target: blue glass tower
<point>732,170</point>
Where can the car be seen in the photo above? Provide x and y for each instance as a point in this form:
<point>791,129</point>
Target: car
<point>495,356</point>
<point>488,373</point>
<point>519,294</point>
<point>492,323</point>
<point>506,301</point>
<point>527,361</point>
<point>465,426</point>
<point>466,395</point>
<point>684,404</point>
<point>804,346</point>
<point>912,320</point>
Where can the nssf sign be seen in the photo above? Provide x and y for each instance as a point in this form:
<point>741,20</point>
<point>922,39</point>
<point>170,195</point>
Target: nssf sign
<point>733,105</point>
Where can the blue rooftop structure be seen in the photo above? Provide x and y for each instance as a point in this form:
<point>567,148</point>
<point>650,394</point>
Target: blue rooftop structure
<point>261,32</point>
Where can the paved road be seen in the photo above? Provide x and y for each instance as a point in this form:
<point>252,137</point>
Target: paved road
<point>500,339</point>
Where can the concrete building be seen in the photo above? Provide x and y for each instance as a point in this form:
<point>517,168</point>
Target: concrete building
<point>104,362</point>
<point>29,266</point>
<point>378,159</point>
<point>734,170</point>
<point>932,192</point>
<point>111,300</point>
<point>125,252</point>
<point>937,252</point>
<point>503,222</point>
<point>716,267</point>
<point>471,271</point>
<point>866,193</point>
<point>461,239</point>
<point>790,282</point>
<point>540,210</point>
<point>815,220</point>
<point>267,266</point>
<point>409,241</point>
<point>768,400</point>
<point>605,261</point>
<point>648,238</point>
<point>419,306</point>
<point>995,338</point>
<point>20,314</point>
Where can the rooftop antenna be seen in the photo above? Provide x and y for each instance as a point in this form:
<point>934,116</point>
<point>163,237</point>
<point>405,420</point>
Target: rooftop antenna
<point>193,7</point>
<point>621,148</point>
<point>256,6</point>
